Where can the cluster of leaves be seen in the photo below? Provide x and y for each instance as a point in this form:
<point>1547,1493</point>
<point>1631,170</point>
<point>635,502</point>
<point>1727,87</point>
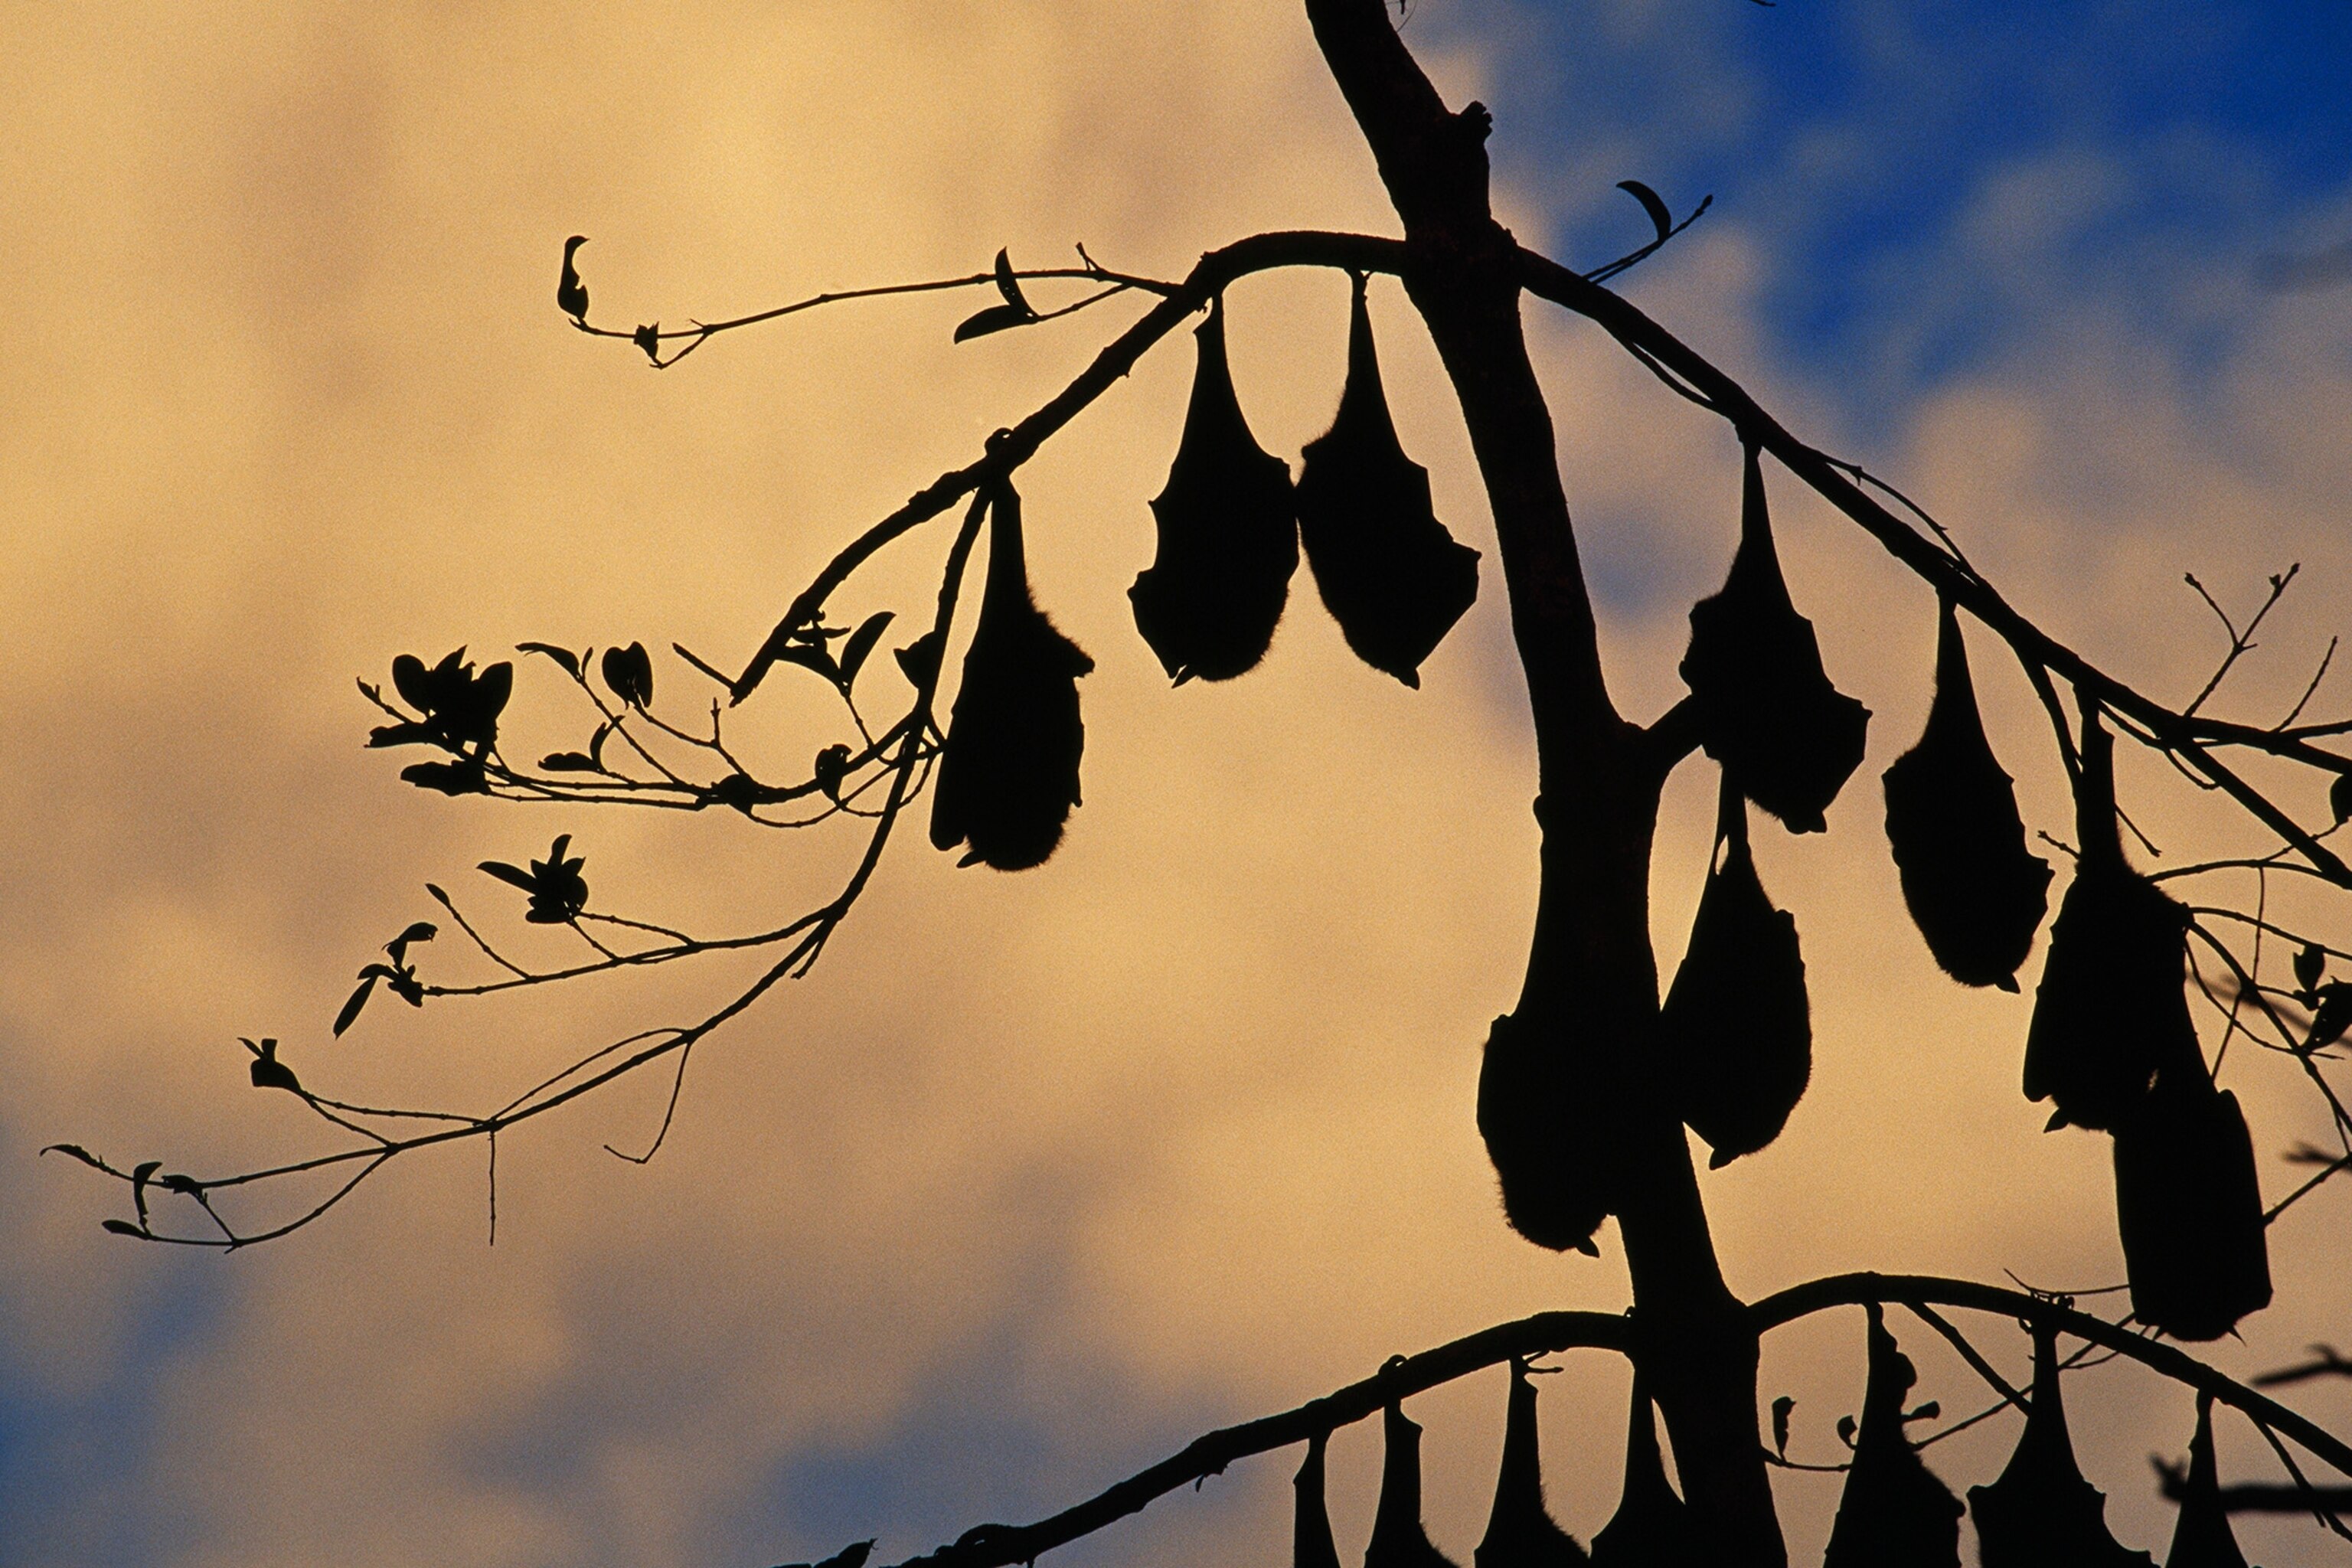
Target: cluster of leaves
<point>558,891</point>
<point>399,976</point>
<point>455,708</point>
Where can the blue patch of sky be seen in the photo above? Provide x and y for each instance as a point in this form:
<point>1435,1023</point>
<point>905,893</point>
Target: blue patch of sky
<point>992,1435</point>
<point>76,1457</point>
<point>1932,182</point>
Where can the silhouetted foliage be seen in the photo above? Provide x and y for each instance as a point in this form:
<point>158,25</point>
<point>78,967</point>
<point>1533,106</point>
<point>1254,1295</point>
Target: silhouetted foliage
<point>1228,535</point>
<point>1976,892</point>
<point>1786,737</point>
<point>1736,1026</point>
<point>1390,573</point>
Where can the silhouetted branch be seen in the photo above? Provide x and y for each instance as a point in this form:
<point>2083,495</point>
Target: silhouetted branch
<point>2325,1361</point>
<point>1905,1289</point>
<point>812,932</point>
<point>1002,1545</point>
<point>2188,737</point>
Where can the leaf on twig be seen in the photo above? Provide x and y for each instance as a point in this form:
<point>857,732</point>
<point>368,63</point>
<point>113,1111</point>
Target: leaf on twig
<point>514,876</point>
<point>267,1071</point>
<point>563,656</point>
<point>2333,1017</point>
<point>2339,798</point>
<point>994,319</point>
<point>571,294</point>
<point>918,661</point>
<point>76,1151</point>
<point>854,652</point>
<point>1010,287</point>
<point>648,338</point>
<point>2310,967</point>
<point>121,1227</point>
<point>569,762</point>
<point>464,776</point>
<point>831,767</point>
<point>1651,204</point>
<point>1781,1409</point>
<point>629,671</point>
<point>138,1180</point>
<point>352,1006</point>
<point>813,656</point>
<point>704,665</point>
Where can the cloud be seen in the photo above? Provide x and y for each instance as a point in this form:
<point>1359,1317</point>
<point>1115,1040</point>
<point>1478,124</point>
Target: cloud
<point>1060,1166</point>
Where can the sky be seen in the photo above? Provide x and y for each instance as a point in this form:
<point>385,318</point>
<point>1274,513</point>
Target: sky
<point>1038,1175</point>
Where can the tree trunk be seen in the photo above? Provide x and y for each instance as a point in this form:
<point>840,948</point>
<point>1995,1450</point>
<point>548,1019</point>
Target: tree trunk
<point>1590,970</point>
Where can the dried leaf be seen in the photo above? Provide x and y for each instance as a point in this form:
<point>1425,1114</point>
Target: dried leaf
<point>514,876</point>
<point>648,338</point>
<point>568,762</point>
<point>2339,798</point>
<point>121,1227</point>
<point>76,1151</point>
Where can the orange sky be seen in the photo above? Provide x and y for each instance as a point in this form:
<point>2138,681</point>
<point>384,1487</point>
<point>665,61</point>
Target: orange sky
<point>1184,1116</point>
